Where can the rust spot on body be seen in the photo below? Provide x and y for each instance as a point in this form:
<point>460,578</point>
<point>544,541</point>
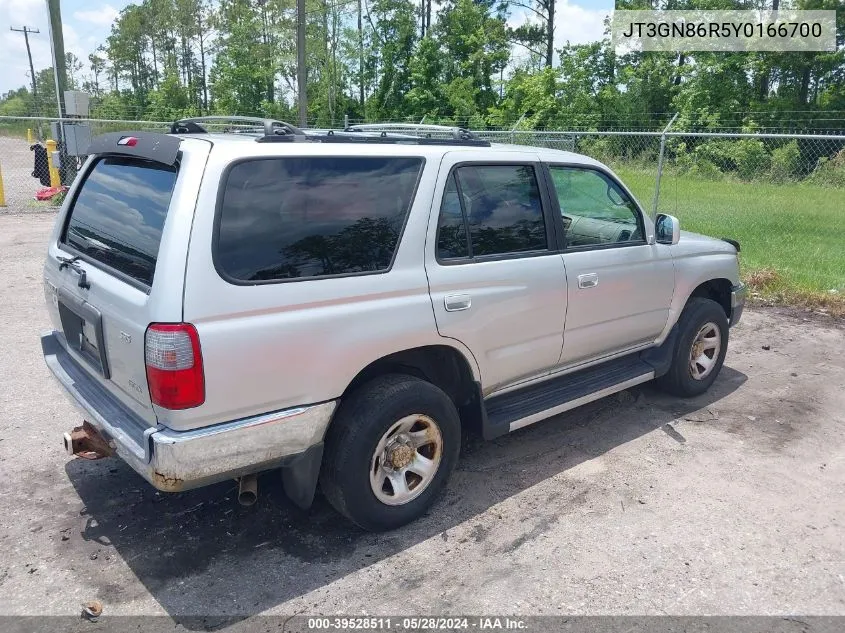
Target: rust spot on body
<point>167,484</point>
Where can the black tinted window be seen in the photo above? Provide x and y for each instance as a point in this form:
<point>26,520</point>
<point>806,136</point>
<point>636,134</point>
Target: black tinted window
<point>285,218</point>
<point>503,209</point>
<point>119,213</point>
<point>451,228</point>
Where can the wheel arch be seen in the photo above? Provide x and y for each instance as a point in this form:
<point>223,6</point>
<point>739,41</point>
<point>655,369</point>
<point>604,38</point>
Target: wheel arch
<point>442,365</point>
<point>718,289</point>
<point>714,287</point>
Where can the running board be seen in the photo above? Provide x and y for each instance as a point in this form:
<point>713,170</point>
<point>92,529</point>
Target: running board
<point>538,401</point>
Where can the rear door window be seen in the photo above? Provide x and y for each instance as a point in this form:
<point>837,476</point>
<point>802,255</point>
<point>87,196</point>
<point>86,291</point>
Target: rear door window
<point>491,210</point>
<point>119,213</point>
<point>292,218</point>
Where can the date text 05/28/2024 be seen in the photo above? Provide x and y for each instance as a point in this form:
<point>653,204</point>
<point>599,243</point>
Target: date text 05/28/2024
<point>415,624</point>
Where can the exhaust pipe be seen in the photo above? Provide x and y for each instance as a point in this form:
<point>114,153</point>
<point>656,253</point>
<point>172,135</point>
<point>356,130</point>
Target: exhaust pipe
<point>247,490</point>
<point>86,442</point>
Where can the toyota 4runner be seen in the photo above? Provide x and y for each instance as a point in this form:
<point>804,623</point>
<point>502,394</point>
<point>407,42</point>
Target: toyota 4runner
<point>338,304</point>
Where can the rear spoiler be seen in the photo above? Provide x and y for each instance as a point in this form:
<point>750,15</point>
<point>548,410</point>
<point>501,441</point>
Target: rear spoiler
<point>153,146</point>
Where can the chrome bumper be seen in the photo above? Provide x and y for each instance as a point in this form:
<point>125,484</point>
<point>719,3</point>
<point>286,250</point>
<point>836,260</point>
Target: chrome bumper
<point>179,460</point>
<point>738,294</point>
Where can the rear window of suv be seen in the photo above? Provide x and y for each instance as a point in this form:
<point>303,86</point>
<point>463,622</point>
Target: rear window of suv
<point>289,218</point>
<point>119,213</point>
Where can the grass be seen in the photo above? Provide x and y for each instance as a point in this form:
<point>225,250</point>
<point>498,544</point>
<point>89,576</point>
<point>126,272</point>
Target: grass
<point>792,235</point>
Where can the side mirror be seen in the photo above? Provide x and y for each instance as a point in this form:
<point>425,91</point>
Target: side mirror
<point>667,229</point>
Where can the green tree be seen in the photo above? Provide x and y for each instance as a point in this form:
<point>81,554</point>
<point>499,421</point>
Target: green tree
<point>475,48</point>
<point>242,67</point>
<point>394,33</point>
<point>537,34</point>
<point>426,97</point>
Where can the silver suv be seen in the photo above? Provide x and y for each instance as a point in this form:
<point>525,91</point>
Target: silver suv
<point>339,304</point>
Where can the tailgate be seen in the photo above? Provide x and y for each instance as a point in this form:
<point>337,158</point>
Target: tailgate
<point>116,260</point>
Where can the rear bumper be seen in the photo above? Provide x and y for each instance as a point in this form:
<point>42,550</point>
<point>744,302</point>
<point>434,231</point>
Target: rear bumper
<point>179,460</point>
<point>738,294</point>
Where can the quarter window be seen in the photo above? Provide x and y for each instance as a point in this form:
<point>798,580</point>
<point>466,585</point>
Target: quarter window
<point>595,210</point>
<point>288,218</point>
<point>452,237</point>
<point>491,210</point>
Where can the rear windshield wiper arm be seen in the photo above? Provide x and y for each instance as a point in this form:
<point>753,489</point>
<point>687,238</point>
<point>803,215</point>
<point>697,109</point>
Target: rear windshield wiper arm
<point>64,262</point>
<point>70,262</point>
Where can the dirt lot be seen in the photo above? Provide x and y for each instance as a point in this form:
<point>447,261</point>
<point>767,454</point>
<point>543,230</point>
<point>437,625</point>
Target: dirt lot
<point>732,503</point>
<point>16,162</point>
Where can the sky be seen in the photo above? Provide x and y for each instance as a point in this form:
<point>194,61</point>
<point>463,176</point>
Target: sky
<point>87,23</point>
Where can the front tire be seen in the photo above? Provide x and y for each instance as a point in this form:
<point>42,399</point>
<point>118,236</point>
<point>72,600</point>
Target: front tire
<point>700,350</point>
<point>390,451</point>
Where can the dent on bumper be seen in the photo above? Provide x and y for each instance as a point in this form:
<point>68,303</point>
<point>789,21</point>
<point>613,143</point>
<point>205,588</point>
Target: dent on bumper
<point>738,295</point>
<point>179,460</point>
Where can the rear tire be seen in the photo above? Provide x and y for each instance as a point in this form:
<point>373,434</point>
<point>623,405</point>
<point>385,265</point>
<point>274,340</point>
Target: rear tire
<point>390,451</point>
<point>700,350</point>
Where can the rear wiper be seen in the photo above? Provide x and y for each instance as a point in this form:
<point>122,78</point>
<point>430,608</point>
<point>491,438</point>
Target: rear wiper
<point>70,262</point>
<point>64,262</point>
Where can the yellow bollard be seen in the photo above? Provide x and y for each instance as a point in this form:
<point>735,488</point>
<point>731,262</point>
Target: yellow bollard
<point>29,135</point>
<point>2,192</point>
<point>55,179</point>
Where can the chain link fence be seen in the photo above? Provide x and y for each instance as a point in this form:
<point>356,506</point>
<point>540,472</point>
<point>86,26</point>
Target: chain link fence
<point>24,166</point>
<point>781,195</point>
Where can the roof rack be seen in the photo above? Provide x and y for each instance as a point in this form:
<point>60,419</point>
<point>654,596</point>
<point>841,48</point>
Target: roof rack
<point>332,136</point>
<point>270,127</point>
<point>458,133</point>
<point>271,131</point>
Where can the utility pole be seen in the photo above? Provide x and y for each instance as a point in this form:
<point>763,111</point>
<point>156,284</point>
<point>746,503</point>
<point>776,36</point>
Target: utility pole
<point>26,31</point>
<point>360,59</point>
<point>58,45</point>
<point>550,36</point>
<point>300,62</point>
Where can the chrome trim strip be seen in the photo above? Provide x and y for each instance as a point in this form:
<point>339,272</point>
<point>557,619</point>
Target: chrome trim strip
<point>572,404</point>
<point>166,434</point>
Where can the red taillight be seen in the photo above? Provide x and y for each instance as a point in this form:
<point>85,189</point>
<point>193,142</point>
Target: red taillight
<point>174,365</point>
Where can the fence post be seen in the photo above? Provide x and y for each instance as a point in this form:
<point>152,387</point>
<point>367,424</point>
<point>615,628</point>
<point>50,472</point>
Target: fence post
<point>516,125</point>
<point>660,165</point>
<point>2,191</point>
<point>29,135</point>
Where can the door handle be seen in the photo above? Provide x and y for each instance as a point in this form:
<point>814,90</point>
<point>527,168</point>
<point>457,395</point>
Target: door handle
<point>589,280</point>
<point>456,303</point>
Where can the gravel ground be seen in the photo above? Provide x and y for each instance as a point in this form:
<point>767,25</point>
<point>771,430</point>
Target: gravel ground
<point>16,161</point>
<point>731,503</point>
